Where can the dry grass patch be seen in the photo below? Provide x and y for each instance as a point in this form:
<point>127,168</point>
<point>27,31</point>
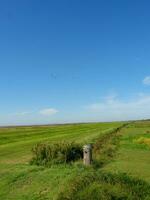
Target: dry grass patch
<point>143,140</point>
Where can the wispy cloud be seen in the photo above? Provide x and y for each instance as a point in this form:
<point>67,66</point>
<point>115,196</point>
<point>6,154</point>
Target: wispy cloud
<point>146,80</point>
<point>25,113</point>
<point>44,112</point>
<point>39,116</point>
<point>114,108</point>
<point>48,111</point>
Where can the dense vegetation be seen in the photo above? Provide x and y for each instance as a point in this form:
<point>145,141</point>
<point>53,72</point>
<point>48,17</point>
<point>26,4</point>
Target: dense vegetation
<point>47,154</point>
<point>116,149</point>
<point>106,186</point>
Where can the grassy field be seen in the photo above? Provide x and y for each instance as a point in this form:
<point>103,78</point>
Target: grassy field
<point>21,181</point>
<point>133,156</point>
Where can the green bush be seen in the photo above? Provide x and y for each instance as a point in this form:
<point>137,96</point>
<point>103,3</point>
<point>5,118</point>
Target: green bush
<point>56,153</point>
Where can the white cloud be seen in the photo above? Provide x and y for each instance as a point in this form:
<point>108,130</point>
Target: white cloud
<point>21,113</point>
<point>116,109</point>
<point>48,111</point>
<point>29,117</point>
<point>146,80</point>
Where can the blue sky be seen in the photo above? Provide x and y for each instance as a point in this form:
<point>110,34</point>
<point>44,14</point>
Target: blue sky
<point>72,61</point>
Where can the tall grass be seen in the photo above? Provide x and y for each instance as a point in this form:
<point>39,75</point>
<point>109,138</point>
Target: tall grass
<point>104,149</point>
<point>56,153</point>
<point>64,152</point>
<point>92,185</point>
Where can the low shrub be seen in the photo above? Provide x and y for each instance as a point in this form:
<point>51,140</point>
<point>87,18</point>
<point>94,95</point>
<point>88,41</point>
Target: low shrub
<point>56,153</point>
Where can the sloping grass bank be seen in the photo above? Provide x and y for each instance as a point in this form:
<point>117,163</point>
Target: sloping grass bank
<point>106,146</point>
<point>92,185</point>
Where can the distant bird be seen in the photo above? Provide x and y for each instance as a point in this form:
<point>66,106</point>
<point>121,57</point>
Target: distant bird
<point>53,76</point>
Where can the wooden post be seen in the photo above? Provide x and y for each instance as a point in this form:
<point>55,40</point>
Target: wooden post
<point>87,154</point>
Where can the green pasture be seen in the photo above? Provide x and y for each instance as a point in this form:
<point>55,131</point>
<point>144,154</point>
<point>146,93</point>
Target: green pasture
<point>21,181</point>
<point>133,157</point>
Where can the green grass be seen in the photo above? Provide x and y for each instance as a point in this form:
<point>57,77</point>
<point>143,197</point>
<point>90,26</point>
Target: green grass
<point>16,143</point>
<point>31,182</point>
<point>21,181</point>
<point>99,185</point>
<point>133,158</point>
<point>120,153</point>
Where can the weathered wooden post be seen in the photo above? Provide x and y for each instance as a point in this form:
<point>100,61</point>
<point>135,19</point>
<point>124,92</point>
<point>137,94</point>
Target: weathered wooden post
<point>87,154</point>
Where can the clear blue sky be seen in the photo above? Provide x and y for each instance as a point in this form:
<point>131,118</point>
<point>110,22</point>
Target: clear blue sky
<point>69,61</point>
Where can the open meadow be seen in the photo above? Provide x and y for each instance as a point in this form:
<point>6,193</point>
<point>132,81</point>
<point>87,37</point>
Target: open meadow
<point>75,100</point>
<point>114,150</point>
<point>133,156</point>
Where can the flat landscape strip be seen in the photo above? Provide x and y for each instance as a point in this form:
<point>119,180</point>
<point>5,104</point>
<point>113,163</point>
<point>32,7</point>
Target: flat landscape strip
<point>132,157</point>
<point>21,181</point>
